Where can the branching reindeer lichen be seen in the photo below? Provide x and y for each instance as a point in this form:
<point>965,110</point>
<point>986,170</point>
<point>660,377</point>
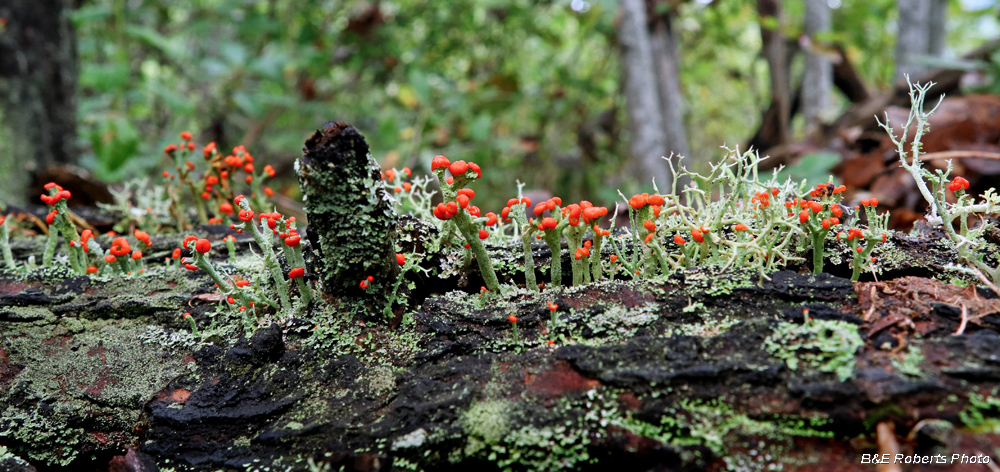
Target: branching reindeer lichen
<point>968,241</point>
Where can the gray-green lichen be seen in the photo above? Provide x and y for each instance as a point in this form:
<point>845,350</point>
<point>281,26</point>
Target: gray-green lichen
<point>352,220</point>
<point>487,420</point>
<point>824,345</point>
<point>99,368</point>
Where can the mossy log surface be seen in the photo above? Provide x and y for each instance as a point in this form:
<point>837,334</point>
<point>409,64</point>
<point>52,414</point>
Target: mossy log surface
<point>697,371</point>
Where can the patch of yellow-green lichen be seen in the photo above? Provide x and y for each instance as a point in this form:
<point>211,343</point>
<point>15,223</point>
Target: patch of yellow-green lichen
<point>615,324</point>
<point>823,345</point>
<point>486,422</point>
<point>908,362</point>
<point>548,448</point>
<point>45,434</point>
<point>337,333</point>
<point>715,423</point>
<point>982,414</point>
<point>704,281</point>
<point>380,380</point>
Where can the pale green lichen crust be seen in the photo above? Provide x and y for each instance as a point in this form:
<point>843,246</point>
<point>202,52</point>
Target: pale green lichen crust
<point>75,368</point>
<point>351,215</point>
<point>823,345</point>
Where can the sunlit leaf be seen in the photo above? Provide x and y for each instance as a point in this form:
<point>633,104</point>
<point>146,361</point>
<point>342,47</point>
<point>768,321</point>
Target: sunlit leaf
<point>407,96</point>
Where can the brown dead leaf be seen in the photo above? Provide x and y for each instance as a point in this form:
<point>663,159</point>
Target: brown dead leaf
<point>893,188</point>
<point>860,170</point>
<point>209,297</point>
<point>911,298</point>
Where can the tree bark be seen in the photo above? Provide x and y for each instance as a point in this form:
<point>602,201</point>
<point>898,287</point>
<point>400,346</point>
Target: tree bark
<point>773,41</point>
<point>819,72</point>
<point>641,95</point>
<point>935,27</point>
<point>912,40</point>
<point>38,77</point>
<point>89,370</point>
<point>665,55</point>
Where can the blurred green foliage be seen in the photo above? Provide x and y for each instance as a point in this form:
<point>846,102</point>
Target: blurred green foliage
<point>813,168</point>
<point>502,83</point>
<point>527,88</point>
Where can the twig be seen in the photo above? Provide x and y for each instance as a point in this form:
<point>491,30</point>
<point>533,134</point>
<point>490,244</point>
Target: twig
<point>920,424</point>
<point>991,465</point>
<point>886,434</point>
<point>933,156</point>
<point>77,220</point>
<point>965,321</point>
<point>983,279</point>
<point>871,309</point>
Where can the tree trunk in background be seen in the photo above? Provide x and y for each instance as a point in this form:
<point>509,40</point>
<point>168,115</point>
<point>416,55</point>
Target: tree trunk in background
<point>773,40</point>
<point>818,75</point>
<point>664,43</point>
<point>912,40</point>
<point>641,95</point>
<point>38,74</point>
<point>935,30</point>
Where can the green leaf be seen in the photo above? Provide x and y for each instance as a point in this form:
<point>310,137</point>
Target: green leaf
<point>176,102</point>
<point>88,13</point>
<point>104,78</point>
<point>270,65</point>
<point>813,167</point>
<point>114,142</point>
<point>172,47</point>
<point>233,53</point>
<point>246,103</point>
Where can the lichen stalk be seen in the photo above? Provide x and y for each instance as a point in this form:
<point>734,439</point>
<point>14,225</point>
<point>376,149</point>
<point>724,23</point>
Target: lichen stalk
<point>295,259</point>
<point>527,230</point>
<point>554,241</point>
<point>50,248</point>
<point>264,243</point>
<point>203,263</point>
<point>529,261</point>
<point>596,271</point>
<point>471,235</point>
<point>818,240</point>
